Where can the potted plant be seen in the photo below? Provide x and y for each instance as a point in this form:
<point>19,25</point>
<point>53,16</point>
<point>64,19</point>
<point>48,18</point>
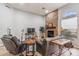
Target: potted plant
<point>42,30</point>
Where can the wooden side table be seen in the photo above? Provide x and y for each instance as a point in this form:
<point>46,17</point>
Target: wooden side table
<point>28,43</point>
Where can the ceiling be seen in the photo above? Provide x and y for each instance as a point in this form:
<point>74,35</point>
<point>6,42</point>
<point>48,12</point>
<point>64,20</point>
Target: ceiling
<point>36,8</point>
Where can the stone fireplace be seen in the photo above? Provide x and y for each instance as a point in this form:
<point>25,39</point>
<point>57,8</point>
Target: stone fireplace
<point>51,24</point>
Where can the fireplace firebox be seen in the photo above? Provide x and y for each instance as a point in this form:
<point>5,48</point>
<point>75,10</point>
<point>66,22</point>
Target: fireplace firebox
<point>50,34</point>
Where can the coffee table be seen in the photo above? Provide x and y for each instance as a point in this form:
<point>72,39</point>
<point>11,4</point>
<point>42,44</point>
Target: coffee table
<point>60,43</point>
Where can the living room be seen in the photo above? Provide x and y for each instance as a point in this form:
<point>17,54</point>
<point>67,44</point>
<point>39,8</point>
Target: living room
<point>51,27</point>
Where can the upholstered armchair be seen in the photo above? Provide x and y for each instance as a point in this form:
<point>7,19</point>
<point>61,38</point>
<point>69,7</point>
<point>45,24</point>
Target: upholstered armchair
<point>11,44</point>
<point>41,47</point>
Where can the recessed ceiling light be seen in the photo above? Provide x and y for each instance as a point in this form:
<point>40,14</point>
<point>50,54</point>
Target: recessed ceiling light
<point>46,11</point>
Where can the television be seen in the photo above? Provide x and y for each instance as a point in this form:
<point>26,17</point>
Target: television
<point>30,30</point>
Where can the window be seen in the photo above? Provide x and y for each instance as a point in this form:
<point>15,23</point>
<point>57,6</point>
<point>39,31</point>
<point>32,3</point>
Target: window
<point>69,27</point>
<point>70,23</point>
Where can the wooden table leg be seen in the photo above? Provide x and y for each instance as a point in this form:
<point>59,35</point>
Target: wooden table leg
<point>27,49</point>
<point>33,49</point>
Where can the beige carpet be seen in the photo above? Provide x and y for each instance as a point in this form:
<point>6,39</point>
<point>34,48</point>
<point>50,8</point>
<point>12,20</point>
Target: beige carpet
<point>4,52</point>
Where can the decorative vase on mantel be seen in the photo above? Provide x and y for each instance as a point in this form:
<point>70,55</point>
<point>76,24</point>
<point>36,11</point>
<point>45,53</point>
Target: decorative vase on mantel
<point>50,26</point>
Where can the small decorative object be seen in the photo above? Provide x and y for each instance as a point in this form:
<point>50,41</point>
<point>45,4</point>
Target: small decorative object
<point>9,30</point>
<point>22,34</point>
<point>50,25</point>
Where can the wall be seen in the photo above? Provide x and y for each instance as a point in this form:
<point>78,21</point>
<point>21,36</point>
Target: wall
<point>72,7</point>
<point>18,20</point>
